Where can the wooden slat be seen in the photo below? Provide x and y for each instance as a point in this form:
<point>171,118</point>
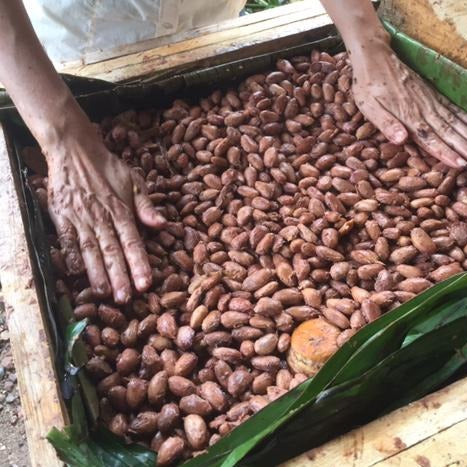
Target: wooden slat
<point>37,381</point>
<point>230,24</point>
<point>429,427</point>
<point>446,448</point>
<point>284,30</point>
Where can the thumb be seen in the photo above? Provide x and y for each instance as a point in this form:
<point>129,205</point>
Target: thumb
<point>146,212</point>
<point>144,208</point>
<point>395,133</point>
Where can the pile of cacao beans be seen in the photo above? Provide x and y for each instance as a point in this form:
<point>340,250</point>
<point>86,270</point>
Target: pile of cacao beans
<point>283,204</point>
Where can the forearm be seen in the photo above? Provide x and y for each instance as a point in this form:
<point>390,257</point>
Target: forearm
<point>358,25</point>
<point>40,95</point>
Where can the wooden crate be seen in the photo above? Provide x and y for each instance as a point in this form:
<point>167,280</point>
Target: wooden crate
<point>431,431</point>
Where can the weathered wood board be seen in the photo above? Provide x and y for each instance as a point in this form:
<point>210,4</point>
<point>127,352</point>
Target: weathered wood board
<point>439,24</point>
<point>37,381</point>
<point>239,38</point>
<point>430,432</point>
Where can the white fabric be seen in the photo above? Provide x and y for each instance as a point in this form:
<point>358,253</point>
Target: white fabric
<point>69,29</point>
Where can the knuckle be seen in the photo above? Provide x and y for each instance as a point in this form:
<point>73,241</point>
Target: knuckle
<point>139,183</point>
<point>104,230</point>
<point>67,237</point>
<point>137,178</point>
<point>122,210</point>
<point>118,208</point>
<point>111,249</point>
<point>423,131</point>
<point>74,262</point>
<point>133,244</point>
<point>445,127</point>
<point>67,230</point>
<point>450,118</point>
<point>89,244</point>
<point>101,287</point>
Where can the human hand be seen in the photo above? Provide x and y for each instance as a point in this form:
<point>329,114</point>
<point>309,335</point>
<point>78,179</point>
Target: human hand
<point>93,196</point>
<point>400,104</point>
<point>93,200</point>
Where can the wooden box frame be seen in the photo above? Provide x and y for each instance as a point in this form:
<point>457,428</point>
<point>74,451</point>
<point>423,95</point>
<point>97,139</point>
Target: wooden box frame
<point>431,431</point>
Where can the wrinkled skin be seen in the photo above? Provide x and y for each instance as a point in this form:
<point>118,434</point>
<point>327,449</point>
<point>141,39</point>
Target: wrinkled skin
<point>93,202</point>
<point>400,104</point>
<point>394,98</point>
<point>94,198</point>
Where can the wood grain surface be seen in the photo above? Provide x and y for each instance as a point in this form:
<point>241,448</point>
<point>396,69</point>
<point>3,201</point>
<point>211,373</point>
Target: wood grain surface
<point>239,38</point>
<point>37,381</point>
<point>439,24</point>
<point>431,432</point>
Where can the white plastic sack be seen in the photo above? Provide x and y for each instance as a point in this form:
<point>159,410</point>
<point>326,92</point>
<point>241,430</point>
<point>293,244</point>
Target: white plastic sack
<point>70,29</point>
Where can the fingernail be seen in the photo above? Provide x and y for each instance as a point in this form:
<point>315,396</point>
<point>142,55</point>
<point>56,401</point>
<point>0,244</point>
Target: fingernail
<point>461,162</point>
<point>102,290</point>
<point>142,283</point>
<point>121,296</point>
<point>161,220</point>
<point>400,136</point>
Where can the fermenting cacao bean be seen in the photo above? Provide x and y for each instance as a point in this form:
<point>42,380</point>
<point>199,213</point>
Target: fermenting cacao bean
<point>284,207</point>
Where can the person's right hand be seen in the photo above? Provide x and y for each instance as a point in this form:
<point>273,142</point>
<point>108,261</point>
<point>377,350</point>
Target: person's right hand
<point>400,104</point>
<point>93,196</point>
<point>93,200</point>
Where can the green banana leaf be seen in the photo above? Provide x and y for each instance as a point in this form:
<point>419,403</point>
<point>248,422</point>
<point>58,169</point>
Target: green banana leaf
<point>400,357</point>
<point>402,342</point>
<point>364,396</point>
<point>102,449</point>
<point>366,349</point>
<point>72,334</point>
<point>76,444</point>
<point>75,358</point>
<point>449,78</point>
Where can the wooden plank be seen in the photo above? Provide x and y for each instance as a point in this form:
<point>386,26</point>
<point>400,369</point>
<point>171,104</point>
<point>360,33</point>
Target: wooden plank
<point>396,436</point>
<point>37,381</point>
<point>401,435</point>
<point>447,448</point>
<point>441,25</point>
<point>297,25</point>
<point>230,24</point>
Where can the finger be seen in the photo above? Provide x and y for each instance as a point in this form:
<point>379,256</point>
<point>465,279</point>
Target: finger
<point>68,240</point>
<point>114,260</point>
<point>93,262</point>
<point>143,206</point>
<point>389,125</point>
<point>428,140</point>
<point>147,214</point>
<point>424,136</point>
<point>457,111</point>
<point>445,132</point>
<point>133,249</point>
<point>443,122</point>
<point>453,121</point>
